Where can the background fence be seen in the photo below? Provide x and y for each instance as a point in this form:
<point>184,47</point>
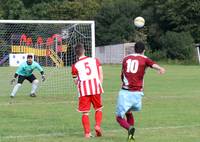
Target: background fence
<point>113,54</point>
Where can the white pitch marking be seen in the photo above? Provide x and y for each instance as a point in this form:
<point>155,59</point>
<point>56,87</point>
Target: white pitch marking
<point>72,101</point>
<point>106,131</point>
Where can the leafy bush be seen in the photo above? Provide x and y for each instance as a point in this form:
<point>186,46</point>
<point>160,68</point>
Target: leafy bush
<point>156,55</point>
<point>178,45</point>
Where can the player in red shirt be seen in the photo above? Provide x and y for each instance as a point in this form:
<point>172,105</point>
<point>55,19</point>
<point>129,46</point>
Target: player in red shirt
<point>130,95</point>
<point>88,76</point>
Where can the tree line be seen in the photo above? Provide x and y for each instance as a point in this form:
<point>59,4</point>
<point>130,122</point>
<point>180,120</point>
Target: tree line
<point>172,26</point>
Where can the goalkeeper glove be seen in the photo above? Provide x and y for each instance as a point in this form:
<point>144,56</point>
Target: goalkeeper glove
<point>43,78</point>
<point>12,81</point>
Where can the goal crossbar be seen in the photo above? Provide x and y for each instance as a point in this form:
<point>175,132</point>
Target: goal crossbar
<point>58,22</point>
<point>47,21</point>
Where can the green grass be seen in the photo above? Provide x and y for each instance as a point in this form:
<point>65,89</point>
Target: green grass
<point>170,110</point>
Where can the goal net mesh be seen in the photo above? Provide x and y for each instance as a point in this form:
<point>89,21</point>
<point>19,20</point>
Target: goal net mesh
<point>53,47</point>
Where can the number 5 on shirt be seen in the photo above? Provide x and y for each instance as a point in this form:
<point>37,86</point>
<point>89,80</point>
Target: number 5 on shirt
<point>87,67</point>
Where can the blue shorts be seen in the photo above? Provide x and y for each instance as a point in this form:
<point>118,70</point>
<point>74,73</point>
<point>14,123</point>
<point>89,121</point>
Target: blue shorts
<point>128,101</point>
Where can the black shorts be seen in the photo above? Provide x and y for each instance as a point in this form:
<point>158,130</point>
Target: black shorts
<point>30,78</point>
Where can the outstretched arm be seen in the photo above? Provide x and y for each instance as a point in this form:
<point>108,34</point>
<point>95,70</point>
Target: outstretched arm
<point>19,69</point>
<point>75,74</point>
<point>14,79</point>
<point>43,76</point>
<point>160,69</point>
<point>40,69</point>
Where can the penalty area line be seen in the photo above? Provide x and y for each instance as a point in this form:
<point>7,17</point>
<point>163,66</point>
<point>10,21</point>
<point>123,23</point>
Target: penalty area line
<point>105,131</point>
<point>105,100</point>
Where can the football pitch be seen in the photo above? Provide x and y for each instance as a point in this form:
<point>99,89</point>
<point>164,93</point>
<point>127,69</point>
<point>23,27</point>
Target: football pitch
<point>170,113</point>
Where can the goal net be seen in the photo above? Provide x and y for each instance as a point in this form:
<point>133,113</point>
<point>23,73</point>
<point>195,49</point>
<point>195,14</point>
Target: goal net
<point>52,43</point>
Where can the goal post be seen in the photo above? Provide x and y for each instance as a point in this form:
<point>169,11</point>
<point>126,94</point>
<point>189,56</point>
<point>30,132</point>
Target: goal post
<point>52,43</point>
<point>198,51</point>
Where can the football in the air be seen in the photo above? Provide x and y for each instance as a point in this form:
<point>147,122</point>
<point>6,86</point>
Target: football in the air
<point>139,22</point>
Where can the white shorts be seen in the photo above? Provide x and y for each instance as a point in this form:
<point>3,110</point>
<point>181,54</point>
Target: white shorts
<point>128,101</point>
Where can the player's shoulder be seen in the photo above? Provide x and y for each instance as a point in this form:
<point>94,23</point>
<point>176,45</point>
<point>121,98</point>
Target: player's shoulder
<point>79,61</point>
<point>82,59</point>
<point>135,56</point>
<point>85,59</point>
<point>97,59</point>
<point>35,63</point>
<point>94,60</point>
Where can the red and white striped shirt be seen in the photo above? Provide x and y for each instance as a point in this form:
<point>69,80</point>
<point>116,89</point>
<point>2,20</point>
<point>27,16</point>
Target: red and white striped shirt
<point>86,71</point>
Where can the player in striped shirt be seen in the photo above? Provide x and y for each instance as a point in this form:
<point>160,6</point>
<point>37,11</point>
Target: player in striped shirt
<point>88,76</point>
<point>130,95</point>
<point>25,72</point>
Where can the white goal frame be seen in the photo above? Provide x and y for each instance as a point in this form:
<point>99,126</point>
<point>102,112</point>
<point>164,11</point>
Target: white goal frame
<point>58,76</point>
<point>58,22</point>
<point>198,51</point>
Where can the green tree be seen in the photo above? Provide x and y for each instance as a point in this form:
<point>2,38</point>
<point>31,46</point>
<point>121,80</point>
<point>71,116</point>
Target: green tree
<point>13,9</point>
<point>181,15</point>
<point>178,45</point>
<point>114,21</point>
<point>171,15</point>
<point>1,13</point>
<point>65,10</point>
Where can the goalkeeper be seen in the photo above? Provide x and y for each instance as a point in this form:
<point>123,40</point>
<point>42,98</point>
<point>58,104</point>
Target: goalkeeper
<point>25,71</point>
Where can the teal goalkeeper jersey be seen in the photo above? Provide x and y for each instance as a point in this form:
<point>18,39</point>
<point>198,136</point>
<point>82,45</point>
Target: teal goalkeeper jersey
<point>26,70</point>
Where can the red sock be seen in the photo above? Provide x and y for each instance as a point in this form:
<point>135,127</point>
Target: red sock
<point>98,118</point>
<point>123,122</point>
<point>86,123</point>
<point>130,118</point>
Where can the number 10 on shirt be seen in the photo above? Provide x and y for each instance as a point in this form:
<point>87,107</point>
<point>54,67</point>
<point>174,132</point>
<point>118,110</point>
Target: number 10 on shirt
<point>132,66</point>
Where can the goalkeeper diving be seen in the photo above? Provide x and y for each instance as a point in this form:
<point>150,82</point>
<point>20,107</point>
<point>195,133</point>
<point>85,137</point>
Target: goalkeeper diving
<point>25,72</point>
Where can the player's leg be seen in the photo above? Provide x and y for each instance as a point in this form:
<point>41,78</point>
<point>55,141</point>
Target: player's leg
<point>32,79</point>
<point>122,122</point>
<point>130,118</point>
<point>86,124</point>
<point>127,102</point>
<point>97,104</point>
<point>137,106</point>
<point>15,89</point>
<point>131,130</point>
<point>98,119</point>
<point>17,86</point>
<point>122,107</point>
<point>84,107</point>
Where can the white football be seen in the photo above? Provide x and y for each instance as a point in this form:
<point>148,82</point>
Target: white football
<point>139,22</point>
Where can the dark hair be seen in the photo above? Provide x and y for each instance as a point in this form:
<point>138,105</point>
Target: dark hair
<point>30,56</point>
<point>79,49</point>
<point>139,47</point>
